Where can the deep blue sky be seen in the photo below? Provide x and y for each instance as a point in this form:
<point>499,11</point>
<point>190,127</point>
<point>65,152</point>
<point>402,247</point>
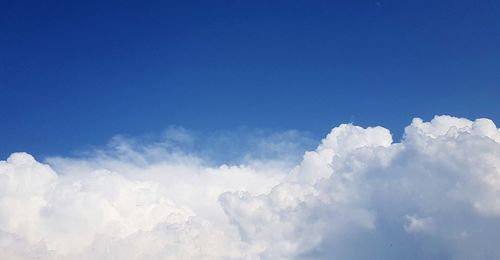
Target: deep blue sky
<point>76,73</point>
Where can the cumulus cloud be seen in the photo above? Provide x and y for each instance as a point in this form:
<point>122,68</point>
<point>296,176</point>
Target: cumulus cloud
<point>357,195</point>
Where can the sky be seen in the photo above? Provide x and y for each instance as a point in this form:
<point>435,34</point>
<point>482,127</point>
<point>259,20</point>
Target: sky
<point>249,130</point>
<point>77,73</point>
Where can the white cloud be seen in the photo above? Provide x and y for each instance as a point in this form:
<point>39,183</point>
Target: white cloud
<point>358,195</point>
<point>417,224</point>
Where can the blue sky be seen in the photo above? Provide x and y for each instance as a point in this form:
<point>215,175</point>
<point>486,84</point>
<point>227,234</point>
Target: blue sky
<point>77,73</point>
<point>212,129</point>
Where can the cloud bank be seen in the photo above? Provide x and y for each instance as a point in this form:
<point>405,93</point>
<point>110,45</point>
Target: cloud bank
<point>358,195</point>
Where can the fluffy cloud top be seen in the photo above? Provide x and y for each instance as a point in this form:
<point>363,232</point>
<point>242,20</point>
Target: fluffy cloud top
<point>358,195</point>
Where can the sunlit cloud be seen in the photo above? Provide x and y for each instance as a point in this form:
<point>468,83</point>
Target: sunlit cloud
<point>434,194</point>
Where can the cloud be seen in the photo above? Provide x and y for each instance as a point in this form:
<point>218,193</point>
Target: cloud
<point>357,195</point>
<point>416,224</point>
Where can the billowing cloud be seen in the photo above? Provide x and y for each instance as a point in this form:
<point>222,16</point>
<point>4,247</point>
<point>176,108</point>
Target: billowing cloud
<point>358,195</point>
